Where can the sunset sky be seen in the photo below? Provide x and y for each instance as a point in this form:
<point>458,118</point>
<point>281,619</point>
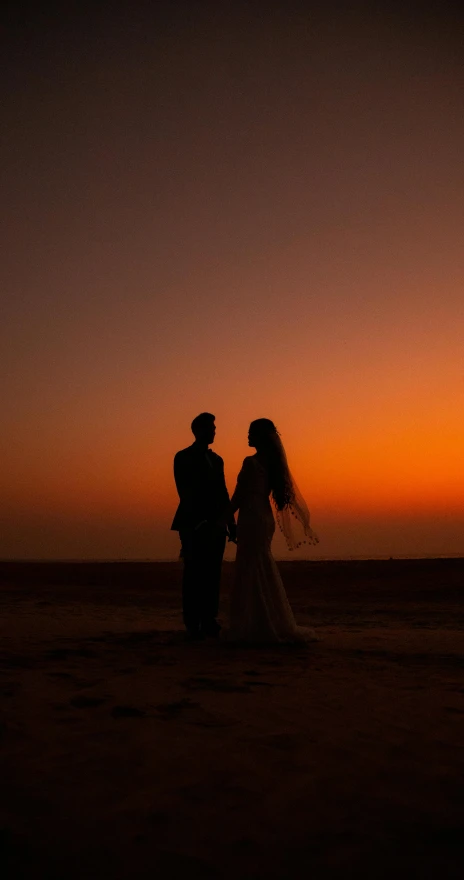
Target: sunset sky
<point>247,208</point>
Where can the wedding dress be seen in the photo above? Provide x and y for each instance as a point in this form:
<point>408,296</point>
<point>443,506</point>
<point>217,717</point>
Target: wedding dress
<point>260,612</point>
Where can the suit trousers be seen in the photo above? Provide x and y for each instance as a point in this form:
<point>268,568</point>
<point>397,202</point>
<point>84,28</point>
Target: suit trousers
<point>202,552</point>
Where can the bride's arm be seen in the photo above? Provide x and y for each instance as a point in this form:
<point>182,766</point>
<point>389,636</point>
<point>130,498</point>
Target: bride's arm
<point>235,502</point>
<point>241,488</point>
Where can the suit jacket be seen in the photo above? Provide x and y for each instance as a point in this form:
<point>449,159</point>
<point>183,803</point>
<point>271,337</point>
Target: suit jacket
<point>199,476</point>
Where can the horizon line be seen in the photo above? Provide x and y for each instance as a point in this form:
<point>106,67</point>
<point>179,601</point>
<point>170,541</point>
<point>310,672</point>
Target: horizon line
<point>166,559</point>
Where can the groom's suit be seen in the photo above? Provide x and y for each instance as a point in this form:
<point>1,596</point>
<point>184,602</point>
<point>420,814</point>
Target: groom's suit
<point>199,476</point>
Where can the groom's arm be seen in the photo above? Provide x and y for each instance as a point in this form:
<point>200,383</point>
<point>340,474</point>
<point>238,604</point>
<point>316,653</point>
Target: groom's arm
<point>184,476</point>
<point>184,482</point>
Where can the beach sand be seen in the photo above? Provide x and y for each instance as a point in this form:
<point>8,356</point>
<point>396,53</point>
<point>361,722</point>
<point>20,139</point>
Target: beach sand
<point>129,753</point>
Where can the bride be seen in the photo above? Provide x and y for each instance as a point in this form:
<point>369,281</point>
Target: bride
<point>259,610</point>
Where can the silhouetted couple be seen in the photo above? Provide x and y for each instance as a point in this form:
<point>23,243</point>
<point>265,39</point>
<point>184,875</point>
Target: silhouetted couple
<point>259,609</point>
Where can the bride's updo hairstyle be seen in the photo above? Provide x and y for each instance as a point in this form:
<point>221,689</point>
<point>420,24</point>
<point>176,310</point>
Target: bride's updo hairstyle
<point>266,438</point>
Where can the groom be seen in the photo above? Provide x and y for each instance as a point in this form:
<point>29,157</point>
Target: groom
<point>203,520</point>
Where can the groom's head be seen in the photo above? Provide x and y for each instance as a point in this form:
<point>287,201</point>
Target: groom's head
<point>203,428</point>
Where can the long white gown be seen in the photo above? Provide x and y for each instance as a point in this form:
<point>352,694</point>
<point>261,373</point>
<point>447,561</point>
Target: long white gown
<point>260,612</point>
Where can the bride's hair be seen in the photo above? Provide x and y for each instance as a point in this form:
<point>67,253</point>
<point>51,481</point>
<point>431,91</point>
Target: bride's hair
<point>291,511</point>
<point>269,444</point>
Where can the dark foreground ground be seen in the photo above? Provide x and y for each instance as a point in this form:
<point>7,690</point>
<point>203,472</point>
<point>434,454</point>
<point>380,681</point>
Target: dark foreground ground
<point>128,753</point>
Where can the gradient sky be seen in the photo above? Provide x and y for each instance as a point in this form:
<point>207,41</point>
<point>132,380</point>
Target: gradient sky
<point>251,209</point>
